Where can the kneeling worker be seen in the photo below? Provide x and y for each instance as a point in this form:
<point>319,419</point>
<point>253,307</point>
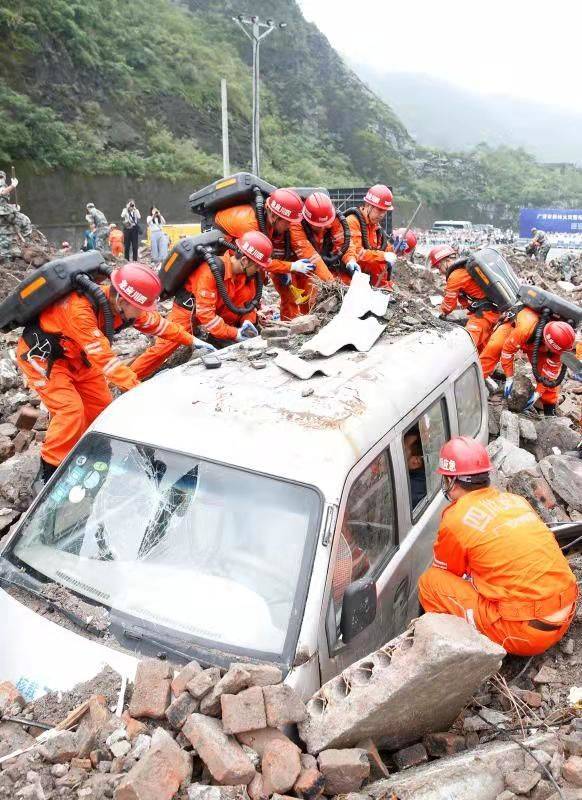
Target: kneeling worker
<point>67,359</point>
<point>201,304</point>
<point>496,564</point>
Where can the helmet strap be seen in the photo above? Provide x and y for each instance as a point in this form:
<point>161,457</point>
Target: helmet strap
<point>447,484</point>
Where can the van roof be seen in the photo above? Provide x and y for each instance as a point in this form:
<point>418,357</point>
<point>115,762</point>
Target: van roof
<point>260,419</point>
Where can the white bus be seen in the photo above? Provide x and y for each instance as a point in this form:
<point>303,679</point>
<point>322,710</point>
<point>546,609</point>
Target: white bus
<point>455,224</point>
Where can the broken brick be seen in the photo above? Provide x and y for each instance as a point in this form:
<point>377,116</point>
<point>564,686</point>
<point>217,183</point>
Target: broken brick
<point>259,739</point>
<point>309,784</point>
<point>9,695</point>
<point>256,788</point>
<point>264,674</point>
<point>532,699</point>
<point>547,675</point>
<point>572,770</point>
<point>224,757</point>
<point>410,756</point>
<point>377,766</point>
<point>22,440</point>
<point>521,781</point>
<point>60,748</point>
<point>180,709</point>
<point>185,676</point>
<point>151,691</point>
<point>283,706</point>
<point>203,682</point>
<point>81,763</point>
<point>343,770</point>
<point>133,726</point>
<point>244,711</point>
<point>280,767</point>
<point>159,774</point>
<point>27,417</point>
<point>234,681</point>
<point>444,744</point>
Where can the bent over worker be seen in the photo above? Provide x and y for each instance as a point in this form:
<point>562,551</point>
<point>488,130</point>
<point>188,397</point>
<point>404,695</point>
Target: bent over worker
<point>201,305</point>
<point>496,564</point>
<point>283,208</point>
<point>462,290</point>
<point>67,359</point>
<point>374,254</point>
<point>519,334</point>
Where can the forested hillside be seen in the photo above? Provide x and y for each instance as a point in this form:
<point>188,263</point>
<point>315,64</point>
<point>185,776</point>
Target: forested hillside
<point>133,88</point>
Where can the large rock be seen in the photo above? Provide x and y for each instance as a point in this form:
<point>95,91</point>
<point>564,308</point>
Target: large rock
<point>16,478</point>
<point>414,685</point>
<point>509,459</point>
<point>522,389</point>
<point>555,432</point>
<point>534,487</point>
<point>9,375</point>
<point>509,426</point>
<point>564,474</point>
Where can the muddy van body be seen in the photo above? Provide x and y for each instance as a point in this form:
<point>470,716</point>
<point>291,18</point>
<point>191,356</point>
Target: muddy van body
<point>229,515</point>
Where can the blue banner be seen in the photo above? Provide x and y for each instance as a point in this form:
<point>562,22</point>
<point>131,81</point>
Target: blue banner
<point>552,220</point>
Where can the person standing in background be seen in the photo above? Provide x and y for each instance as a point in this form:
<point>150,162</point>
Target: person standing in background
<point>115,240</point>
<point>158,239</point>
<point>131,217</point>
<point>99,220</point>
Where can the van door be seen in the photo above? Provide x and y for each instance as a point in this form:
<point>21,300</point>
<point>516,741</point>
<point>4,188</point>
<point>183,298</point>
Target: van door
<point>367,545</point>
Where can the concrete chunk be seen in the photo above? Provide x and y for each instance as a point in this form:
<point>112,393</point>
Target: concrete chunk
<point>222,754</point>
<point>564,474</point>
<point>521,781</point>
<point>414,685</point>
<point>509,426</point>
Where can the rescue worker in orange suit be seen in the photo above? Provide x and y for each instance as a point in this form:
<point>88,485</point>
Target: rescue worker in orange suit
<point>203,306</point>
<point>519,334</point>
<point>496,564</point>
<point>367,236</point>
<point>283,209</point>
<point>320,233</point>
<point>67,359</point>
<point>461,289</point>
<point>115,240</point>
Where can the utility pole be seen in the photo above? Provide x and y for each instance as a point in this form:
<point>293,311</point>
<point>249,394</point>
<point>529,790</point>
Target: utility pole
<point>259,31</point>
<point>225,147</point>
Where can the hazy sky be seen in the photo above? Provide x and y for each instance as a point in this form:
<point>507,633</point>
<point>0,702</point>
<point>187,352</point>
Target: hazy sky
<point>523,48</point>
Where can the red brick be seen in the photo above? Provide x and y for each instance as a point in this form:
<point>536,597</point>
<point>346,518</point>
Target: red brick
<point>256,788</point>
<point>9,695</point>
<point>532,699</point>
<point>22,440</point>
<point>180,709</point>
<point>258,740</point>
<point>410,756</point>
<point>264,674</point>
<point>81,763</point>
<point>158,774</point>
<point>133,726</point>
<point>202,683</point>
<point>151,691</point>
<point>280,767</point>
<point>283,706</point>
<point>185,676</point>
<point>244,711</point>
<point>309,784</point>
<point>572,770</point>
<point>224,757</point>
<point>344,770</point>
<point>27,417</point>
<point>444,744</point>
<point>376,764</point>
<point>234,681</point>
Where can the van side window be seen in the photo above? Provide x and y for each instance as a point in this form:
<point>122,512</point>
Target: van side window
<point>368,532</point>
<point>468,400</point>
<point>422,442</point>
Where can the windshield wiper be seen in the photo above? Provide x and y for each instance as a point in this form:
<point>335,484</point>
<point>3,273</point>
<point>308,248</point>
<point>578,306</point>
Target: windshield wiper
<point>52,605</point>
<point>135,634</point>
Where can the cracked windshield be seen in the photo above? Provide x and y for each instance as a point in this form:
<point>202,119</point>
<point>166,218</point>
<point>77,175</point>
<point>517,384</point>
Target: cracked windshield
<point>207,550</point>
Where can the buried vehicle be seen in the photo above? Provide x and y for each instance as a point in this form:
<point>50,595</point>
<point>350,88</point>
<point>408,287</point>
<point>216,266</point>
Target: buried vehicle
<point>232,514</point>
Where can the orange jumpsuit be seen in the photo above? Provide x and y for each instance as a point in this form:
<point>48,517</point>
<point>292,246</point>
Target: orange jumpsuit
<point>116,242</point>
<point>208,310</point>
<point>371,261</point>
<point>305,249</point>
<point>238,220</point>
<point>462,289</point>
<point>497,565</point>
<point>517,335</point>
<point>75,389</point>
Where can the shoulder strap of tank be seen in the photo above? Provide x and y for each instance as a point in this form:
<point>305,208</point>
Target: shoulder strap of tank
<point>460,263</point>
<point>308,231</point>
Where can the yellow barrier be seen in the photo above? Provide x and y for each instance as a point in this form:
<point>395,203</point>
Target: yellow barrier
<point>177,232</point>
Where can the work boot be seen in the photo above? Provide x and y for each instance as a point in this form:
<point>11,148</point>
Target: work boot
<point>549,410</point>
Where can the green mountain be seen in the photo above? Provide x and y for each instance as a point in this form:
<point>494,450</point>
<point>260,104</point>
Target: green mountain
<point>110,87</point>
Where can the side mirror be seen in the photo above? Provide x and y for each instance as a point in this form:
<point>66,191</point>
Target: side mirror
<point>359,608</point>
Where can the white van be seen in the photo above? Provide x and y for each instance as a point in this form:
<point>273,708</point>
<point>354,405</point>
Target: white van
<point>452,225</point>
<point>244,514</point>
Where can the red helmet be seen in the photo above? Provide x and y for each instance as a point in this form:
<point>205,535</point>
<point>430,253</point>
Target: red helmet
<point>559,336</point>
<point>380,196</point>
<point>411,240</point>
<point>318,210</point>
<point>461,456</point>
<point>256,246</point>
<point>138,284</point>
<point>285,203</point>
<point>439,253</point>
